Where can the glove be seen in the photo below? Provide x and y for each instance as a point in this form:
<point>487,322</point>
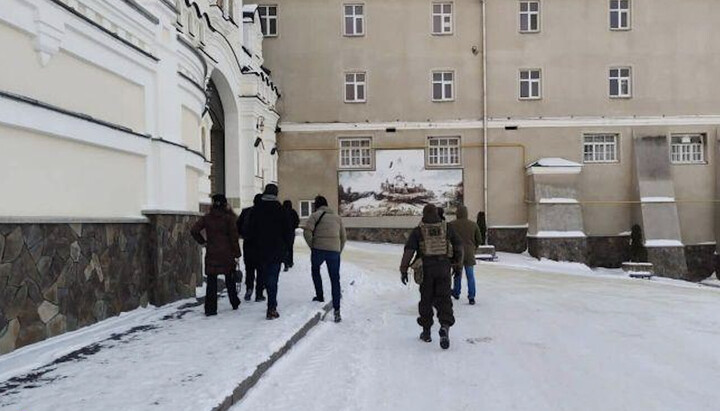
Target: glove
<point>404,277</point>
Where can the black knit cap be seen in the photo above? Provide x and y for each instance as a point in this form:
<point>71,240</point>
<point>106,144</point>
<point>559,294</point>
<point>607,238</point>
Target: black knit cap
<point>271,189</point>
<point>219,200</point>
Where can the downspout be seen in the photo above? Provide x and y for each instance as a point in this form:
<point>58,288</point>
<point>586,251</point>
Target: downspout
<point>485,121</point>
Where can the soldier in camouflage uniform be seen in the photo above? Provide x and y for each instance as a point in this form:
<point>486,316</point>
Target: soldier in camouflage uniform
<point>439,248</point>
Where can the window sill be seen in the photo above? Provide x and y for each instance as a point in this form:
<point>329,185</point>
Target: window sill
<point>353,35</point>
<point>601,162</point>
<point>443,166</point>
<point>442,34</point>
<point>443,101</point>
<point>529,98</point>
<point>620,97</point>
<point>621,29</point>
<point>356,102</point>
<point>356,169</point>
<point>529,31</point>
<point>693,163</point>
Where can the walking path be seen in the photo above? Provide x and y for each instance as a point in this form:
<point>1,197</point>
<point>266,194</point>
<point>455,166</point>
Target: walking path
<point>534,342</point>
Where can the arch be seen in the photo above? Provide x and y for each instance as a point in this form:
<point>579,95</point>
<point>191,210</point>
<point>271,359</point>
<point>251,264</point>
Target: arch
<point>225,117</point>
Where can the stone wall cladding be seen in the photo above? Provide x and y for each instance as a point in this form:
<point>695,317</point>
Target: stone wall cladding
<point>609,252</point>
<point>60,277</point>
<point>379,235</point>
<point>668,262</point>
<point>510,240</point>
<point>559,249</point>
<point>700,261</point>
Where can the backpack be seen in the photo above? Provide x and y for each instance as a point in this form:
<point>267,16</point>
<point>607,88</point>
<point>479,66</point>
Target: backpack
<point>434,242</point>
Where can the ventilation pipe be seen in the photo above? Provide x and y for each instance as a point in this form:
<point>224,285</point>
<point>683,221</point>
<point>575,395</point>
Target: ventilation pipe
<point>485,121</point>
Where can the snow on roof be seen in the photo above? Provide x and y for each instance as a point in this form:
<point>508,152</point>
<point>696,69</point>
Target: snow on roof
<point>249,11</point>
<point>554,162</point>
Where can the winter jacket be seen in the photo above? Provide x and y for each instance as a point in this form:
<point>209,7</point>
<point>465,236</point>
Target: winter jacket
<point>293,218</point>
<point>329,234</point>
<point>221,240</point>
<point>469,233</point>
<point>243,225</point>
<point>267,230</point>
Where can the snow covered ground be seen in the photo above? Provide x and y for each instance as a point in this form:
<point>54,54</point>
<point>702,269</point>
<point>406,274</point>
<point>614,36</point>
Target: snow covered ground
<point>543,336</point>
<point>592,340</point>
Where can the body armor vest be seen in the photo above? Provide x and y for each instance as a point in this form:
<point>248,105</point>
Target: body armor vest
<point>434,240</point>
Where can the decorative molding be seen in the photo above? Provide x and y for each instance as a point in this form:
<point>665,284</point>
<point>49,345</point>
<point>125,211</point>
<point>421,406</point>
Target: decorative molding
<point>49,33</point>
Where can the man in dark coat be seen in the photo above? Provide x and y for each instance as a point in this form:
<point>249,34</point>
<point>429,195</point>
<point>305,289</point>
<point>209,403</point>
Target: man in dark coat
<point>471,237</point>
<point>294,220</point>
<point>221,249</point>
<point>439,248</point>
<point>268,228</point>
<point>249,255</point>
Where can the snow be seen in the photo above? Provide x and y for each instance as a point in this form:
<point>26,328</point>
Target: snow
<point>544,335</point>
<point>663,243</point>
<point>658,200</point>
<point>558,234</point>
<point>554,162</point>
<point>533,342</point>
<point>558,201</point>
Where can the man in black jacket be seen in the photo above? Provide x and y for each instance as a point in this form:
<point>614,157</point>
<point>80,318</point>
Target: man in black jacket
<point>249,254</point>
<point>439,248</point>
<point>267,229</point>
<point>294,220</point>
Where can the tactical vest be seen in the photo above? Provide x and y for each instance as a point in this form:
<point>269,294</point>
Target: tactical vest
<point>434,240</point>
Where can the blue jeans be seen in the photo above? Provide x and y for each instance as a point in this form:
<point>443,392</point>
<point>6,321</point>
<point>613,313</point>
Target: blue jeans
<point>332,260</point>
<point>270,274</point>
<point>457,282</point>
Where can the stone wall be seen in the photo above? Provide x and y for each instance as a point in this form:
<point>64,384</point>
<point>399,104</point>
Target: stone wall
<point>58,277</point>
<point>700,261</point>
<point>609,252</point>
<point>379,235</point>
<point>510,240</point>
<point>559,249</point>
<point>668,261</point>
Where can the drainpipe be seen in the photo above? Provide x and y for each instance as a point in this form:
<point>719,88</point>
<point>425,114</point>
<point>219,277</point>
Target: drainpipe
<point>485,121</point>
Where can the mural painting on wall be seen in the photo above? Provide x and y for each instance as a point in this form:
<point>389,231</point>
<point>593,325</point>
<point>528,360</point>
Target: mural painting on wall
<point>399,186</point>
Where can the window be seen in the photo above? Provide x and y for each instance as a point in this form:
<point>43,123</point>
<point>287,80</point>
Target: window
<point>443,151</point>
<point>687,148</point>
<point>619,14</point>
<point>306,208</point>
<point>442,17</point>
<point>354,20</point>
<point>268,20</point>
<point>356,153</point>
<point>620,82</point>
<point>600,148</point>
<point>355,87</point>
<point>529,16</point>
<point>443,85</point>
<point>530,84</point>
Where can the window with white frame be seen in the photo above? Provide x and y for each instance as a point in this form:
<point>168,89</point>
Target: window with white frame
<point>687,148</point>
<point>600,148</point>
<point>530,84</point>
<point>356,152</point>
<point>269,20</point>
<point>355,84</point>
<point>620,82</point>
<point>306,208</point>
<point>443,151</point>
<point>620,14</point>
<point>443,85</point>
<point>442,16</point>
<point>354,19</point>
<point>529,16</point>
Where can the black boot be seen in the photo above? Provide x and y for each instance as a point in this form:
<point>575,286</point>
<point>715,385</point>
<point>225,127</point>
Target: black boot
<point>272,314</point>
<point>248,295</point>
<point>337,316</point>
<point>425,335</point>
<point>444,337</point>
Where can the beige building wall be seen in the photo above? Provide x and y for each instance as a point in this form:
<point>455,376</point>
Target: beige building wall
<point>75,180</point>
<point>310,56</point>
<point>69,83</point>
<point>671,48</point>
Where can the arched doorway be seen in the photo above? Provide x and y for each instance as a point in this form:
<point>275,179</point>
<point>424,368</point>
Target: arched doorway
<point>217,140</point>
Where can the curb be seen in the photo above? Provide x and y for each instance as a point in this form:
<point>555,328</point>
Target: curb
<point>245,385</point>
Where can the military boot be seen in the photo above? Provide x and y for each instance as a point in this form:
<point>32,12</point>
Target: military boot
<point>445,337</point>
<point>425,334</point>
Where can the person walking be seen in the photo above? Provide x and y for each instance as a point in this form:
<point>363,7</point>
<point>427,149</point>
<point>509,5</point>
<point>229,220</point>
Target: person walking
<point>471,237</point>
<point>294,220</point>
<point>222,248</point>
<point>253,280</point>
<point>437,247</point>
<point>325,235</point>
<point>267,229</point>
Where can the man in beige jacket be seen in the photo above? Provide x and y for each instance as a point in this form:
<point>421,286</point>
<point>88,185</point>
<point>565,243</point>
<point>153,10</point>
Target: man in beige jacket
<point>325,235</point>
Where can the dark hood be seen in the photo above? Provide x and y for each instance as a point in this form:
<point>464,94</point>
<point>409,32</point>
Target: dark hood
<point>461,213</point>
<point>430,214</point>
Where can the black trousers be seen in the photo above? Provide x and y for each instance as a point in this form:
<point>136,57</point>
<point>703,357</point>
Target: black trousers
<point>289,260</point>
<point>435,292</point>
<point>253,279</point>
<point>211,292</point>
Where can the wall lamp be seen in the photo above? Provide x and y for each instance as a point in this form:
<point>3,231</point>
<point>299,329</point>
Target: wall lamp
<point>274,150</point>
<point>258,141</point>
